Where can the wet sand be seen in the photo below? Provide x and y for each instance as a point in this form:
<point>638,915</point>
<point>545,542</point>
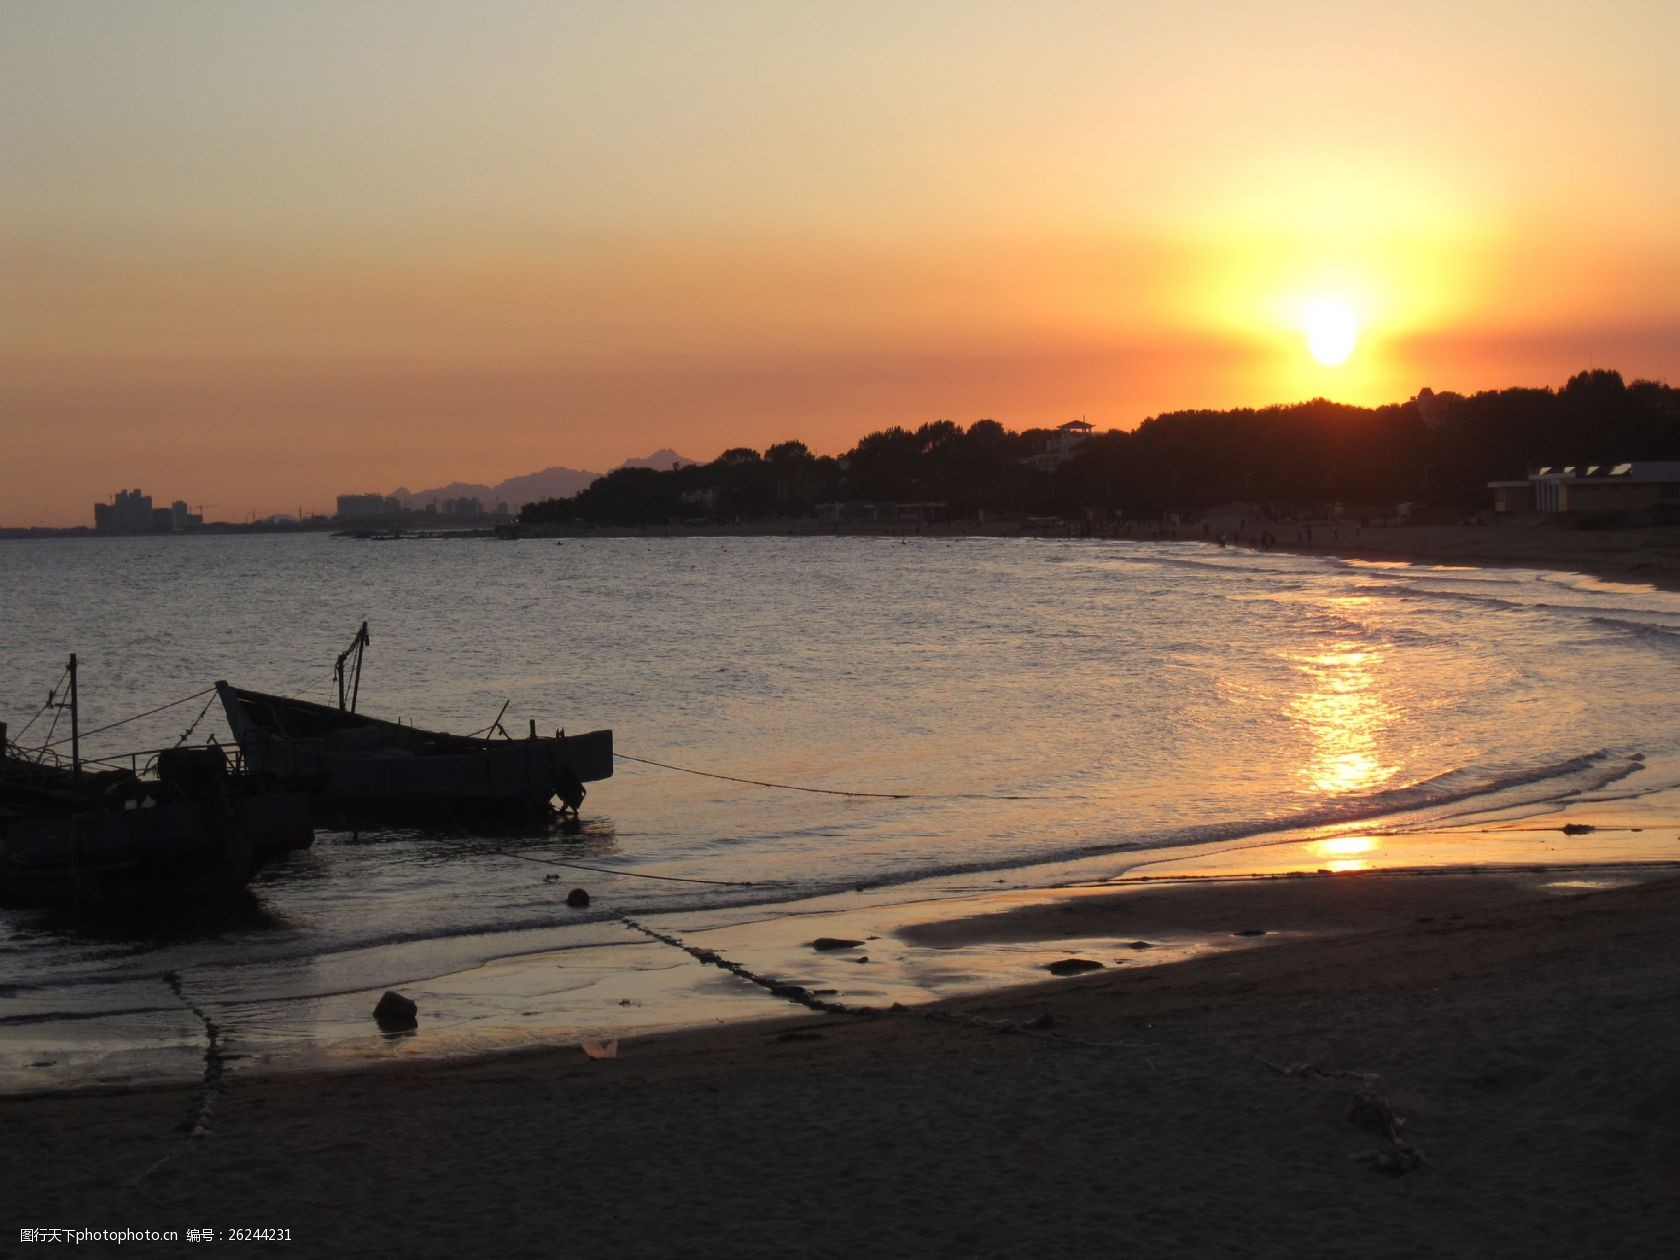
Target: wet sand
<point>1447,1065</point>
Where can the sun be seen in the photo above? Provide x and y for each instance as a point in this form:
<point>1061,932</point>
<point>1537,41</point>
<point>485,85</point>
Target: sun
<point>1331,330</point>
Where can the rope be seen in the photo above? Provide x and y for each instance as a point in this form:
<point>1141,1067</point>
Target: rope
<point>58,712</point>
<point>601,870</point>
<point>886,796</point>
<point>187,734</point>
<point>50,697</point>
<point>135,718</point>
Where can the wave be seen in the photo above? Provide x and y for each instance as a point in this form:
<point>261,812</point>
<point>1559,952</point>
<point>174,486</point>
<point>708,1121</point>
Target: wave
<point>1665,637</point>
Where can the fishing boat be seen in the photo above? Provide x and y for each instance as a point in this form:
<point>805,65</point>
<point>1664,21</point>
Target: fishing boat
<point>360,765</point>
<point>86,837</point>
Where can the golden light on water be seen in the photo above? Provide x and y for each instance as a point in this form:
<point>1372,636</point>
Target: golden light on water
<point>1344,717</point>
<point>1342,852</point>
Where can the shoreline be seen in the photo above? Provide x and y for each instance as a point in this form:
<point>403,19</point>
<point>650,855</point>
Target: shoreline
<point>633,980</point>
<point>1489,1076</point>
<point>1644,555</point>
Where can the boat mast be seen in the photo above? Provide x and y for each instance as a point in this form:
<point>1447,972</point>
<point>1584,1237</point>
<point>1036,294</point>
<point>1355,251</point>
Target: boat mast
<point>356,646</point>
<point>75,728</point>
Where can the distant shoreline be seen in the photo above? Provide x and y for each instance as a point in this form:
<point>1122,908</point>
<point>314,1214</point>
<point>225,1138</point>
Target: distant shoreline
<point>1647,555</point>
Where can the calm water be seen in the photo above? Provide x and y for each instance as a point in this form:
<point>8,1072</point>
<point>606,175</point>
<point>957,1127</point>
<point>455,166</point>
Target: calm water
<point>1130,694</point>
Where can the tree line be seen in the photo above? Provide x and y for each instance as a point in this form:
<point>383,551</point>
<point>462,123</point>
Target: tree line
<point>1437,448</point>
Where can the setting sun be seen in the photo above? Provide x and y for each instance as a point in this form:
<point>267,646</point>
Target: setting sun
<point>1331,331</point>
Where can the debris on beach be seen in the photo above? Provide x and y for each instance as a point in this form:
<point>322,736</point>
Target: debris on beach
<point>1141,945</point>
<point>828,943</point>
<point>600,1049</point>
<point>1577,829</point>
<point>396,1013</point>
<point>577,899</point>
<point>1072,966</point>
<point>1250,932</point>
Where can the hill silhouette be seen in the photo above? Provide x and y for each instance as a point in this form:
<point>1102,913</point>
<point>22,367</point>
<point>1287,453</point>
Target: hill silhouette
<point>1436,448</point>
<point>557,482</point>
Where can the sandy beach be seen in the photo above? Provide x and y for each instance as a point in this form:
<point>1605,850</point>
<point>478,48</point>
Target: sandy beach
<point>1452,1064</point>
<point>1645,555</point>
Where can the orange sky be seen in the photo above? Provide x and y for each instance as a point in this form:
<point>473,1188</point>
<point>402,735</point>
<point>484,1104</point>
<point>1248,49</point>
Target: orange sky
<point>256,256</point>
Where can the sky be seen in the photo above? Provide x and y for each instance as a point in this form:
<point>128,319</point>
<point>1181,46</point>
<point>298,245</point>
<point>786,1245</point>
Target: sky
<point>257,255</point>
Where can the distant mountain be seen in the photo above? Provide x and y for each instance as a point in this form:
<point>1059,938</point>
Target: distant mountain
<point>454,490</point>
<point>516,492</point>
<point>550,483</point>
<point>663,459</point>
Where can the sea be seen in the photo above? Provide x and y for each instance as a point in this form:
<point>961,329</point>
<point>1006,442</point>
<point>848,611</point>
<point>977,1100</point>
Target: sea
<point>799,719</point>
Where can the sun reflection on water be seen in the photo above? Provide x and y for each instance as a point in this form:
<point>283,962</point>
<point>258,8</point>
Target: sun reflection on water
<point>1339,852</point>
<point>1345,717</point>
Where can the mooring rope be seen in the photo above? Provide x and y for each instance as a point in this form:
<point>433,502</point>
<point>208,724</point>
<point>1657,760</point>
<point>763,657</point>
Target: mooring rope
<point>52,696</point>
<point>187,734</point>
<point>134,718</point>
<point>599,870</point>
<point>886,796</point>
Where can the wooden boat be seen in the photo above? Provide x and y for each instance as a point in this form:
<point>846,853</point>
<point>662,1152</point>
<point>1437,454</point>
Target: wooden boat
<point>68,834</point>
<point>153,850</point>
<point>363,765</point>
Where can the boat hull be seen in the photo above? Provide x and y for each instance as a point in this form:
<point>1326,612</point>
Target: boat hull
<point>359,764</point>
<point>156,853</point>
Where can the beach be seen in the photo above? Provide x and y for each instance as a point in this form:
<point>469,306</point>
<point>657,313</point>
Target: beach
<point>1343,1036</point>
<point>1485,1068</point>
<point>1635,555</point>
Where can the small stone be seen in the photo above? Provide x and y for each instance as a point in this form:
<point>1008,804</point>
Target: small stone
<point>396,1012</point>
<point>826,943</point>
<point>1072,966</point>
<point>1577,829</point>
<point>1250,932</point>
<point>577,899</point>
<point>1372,1111</point>
<point>1140,945</point>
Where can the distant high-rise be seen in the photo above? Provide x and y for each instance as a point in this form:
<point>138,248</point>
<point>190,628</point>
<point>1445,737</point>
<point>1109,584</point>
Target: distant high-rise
<point>129,513</point>
<point>354,506</point>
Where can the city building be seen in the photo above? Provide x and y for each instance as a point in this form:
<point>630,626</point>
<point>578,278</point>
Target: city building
<point>129,512</point>
<point>363,506</point>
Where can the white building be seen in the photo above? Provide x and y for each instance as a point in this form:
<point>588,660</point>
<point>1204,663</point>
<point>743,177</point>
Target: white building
<point>1577,490</point>
<point>1061,446</point>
